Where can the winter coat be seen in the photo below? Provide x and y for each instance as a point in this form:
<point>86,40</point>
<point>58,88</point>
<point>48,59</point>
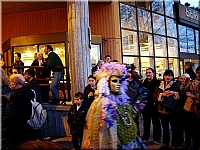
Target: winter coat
<point>191,73</point>
<point>151,86</point>
<point>163,102</point>
<point>22,110</point>
<point>7,116</point>
<point>36,87</point>
<point>88,99</point>
<point>76,119</point>
<point>132,91</point>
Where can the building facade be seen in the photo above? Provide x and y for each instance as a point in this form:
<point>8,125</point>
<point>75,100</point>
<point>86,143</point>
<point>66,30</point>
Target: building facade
<point>149,34</point>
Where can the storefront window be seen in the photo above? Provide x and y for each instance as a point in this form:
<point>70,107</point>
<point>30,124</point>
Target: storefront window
<point>172,47</point>
<point>27,53</point>
<point>131,60</point>
<point>128,16</point>
<point>190,38</point>
<point>157,6</point>
<point>95,54</point>
<point>129,42</point>
<point>174,65</point>
<point>169,11</point>
<point>160,46</point>
<point>144,20</point>
<point>58,48</point>
<point>182,38</point>
<point>161,65</point>
<point>197,41</point>
<point>146,44</point>
<point>171,27</point>
<point>146,62</point>
<point>158,24</point>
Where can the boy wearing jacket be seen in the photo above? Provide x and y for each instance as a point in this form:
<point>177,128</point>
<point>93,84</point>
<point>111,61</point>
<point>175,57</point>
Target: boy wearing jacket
<point>76,120</point>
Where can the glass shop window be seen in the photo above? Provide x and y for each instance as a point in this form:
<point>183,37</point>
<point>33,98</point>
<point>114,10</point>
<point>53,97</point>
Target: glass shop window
<point>95,54</point>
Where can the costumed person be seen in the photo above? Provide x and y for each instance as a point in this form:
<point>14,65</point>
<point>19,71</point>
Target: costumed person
<point>110,118</point>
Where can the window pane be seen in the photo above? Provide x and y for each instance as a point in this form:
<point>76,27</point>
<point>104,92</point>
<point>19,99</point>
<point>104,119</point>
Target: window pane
<point>94,54</point>
<point>128,16</point>
<point>161,66</point>
<point>144,4</point>
<point>182,38</point>
<point>174,65</point>
<point>169,11</point>
<point>58,48</point>
<point>190,38</point>
<point>27,53</point>
<point>129,43</point>
<point>197,41</point>
<point>172,47</point>
<point>160,46</point>
<point>131,60</point>
<point>171,27</point>
<point>144,20</point>
<point>157,6</point>
<point>146,44</point>
<point>181,67</point>
<point>158,24</point>
<point>146,62</point>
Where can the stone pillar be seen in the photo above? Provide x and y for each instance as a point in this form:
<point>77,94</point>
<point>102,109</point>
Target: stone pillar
<point>79,50</point>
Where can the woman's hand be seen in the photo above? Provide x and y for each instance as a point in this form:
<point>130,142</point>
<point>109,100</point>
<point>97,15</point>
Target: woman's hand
<point>189,94</point>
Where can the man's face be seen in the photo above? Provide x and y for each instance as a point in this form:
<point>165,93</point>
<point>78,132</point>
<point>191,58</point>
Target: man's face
<point>40,56</point>
<point>92,82</point>
<point>186,66</point>
<point>100,64</point>
<point>16,57</point>
<point>108,60</point>
<point>46,51</point>
<point>14,71</point>
<point>115,84</point>
<point>26,76</point>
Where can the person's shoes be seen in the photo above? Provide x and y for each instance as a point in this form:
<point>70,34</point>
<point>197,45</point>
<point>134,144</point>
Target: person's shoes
<point>156,142</point>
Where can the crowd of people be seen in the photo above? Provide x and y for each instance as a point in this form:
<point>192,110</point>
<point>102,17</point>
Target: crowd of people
<point>106,114</point>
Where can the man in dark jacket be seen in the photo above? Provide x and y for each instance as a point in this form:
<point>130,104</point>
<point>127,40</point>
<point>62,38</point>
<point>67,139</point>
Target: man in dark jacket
<point>76,120</point>
<point>53,63</point>
<point>188,70</point>
<point>22,110</point>
<point>17,62</point>
<point>90,90</point>
<point>98,66</point>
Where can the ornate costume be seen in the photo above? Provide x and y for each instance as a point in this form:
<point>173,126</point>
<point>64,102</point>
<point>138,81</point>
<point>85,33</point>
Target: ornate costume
<point>109,121</point>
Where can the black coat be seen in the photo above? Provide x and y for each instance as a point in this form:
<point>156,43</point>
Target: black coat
<point>76,119</point>
<point>88,99</point>
<point>132,91</point>
<point>7,116</point>
<point>151,86</point>
<point>36,87</point>
<point>22,110</point>
<point>191,73</point>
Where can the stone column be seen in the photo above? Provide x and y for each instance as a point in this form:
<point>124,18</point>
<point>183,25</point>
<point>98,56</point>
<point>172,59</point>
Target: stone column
<point>79,50</point>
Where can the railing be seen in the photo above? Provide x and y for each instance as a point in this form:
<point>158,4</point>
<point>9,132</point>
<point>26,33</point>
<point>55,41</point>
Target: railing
<point>62,86</point>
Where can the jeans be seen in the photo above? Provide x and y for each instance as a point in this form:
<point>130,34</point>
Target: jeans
<point>57,76</point>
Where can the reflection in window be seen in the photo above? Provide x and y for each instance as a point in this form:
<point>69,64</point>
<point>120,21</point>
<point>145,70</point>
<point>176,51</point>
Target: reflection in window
<point>190,38</point>
<point>129,42</point>
<point>157,6</point>
<point>94,54</point>
<point>160,46</point>
<point>27,53</point>
<point>146,62</point>
<point>171,27</point>
<point>169,11</point>
<point>144,4</point>
<point>174,66</point>
<point>182,38</point>
<point>172,47</point>
<point>158,24</point>
<point>146,44</point>
<point>128,16</point>
<point>144,20</point>
<point>161,66</point>
<point>132,60</point>
<point>197,41</point>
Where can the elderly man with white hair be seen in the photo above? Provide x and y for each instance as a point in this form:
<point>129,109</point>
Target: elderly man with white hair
<point>22,109</point>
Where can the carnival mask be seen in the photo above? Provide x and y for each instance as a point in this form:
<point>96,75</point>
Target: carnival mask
<point>115,84</point>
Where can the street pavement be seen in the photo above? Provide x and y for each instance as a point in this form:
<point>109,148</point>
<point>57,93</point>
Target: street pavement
<point>66,141</point>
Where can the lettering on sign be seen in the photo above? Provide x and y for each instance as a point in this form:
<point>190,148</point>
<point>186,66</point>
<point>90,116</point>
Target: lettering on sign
<point>192,14</point>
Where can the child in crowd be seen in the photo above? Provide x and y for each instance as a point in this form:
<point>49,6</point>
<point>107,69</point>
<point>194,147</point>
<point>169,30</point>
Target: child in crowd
<point>76,119</point>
